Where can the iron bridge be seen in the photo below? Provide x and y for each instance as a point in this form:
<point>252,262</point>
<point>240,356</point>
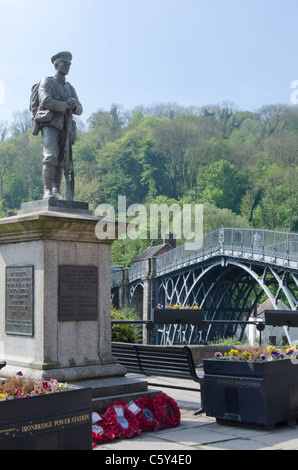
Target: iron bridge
<point>226,274</point>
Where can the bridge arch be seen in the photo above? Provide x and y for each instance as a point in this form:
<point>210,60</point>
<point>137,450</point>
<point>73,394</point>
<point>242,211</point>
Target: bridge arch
<point>224,278</point>
<point>226,289</point>
<point>136,297</point>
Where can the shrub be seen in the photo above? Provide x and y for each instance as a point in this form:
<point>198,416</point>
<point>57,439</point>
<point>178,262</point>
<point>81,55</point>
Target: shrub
<point>125,333</point>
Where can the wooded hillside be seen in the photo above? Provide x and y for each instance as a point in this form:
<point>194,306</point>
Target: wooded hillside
<point>241,165</point>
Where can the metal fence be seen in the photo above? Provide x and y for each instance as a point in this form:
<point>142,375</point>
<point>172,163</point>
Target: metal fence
<point>136,272</point>
<point>272,246</point>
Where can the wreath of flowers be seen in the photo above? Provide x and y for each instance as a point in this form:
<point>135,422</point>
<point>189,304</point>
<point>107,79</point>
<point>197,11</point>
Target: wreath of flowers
<point>101,432</point>
<point>131,428</point>
<point>146,417</point>
<point>163,403</point>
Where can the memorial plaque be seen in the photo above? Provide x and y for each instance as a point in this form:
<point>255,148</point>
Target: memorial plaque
<point>77,293</point>
<point>19,300</point>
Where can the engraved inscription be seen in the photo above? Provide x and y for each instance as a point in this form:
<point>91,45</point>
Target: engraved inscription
<point>19,300</point>
<point>242,383</point>
<point>44,425</point>
<point>78,293</point>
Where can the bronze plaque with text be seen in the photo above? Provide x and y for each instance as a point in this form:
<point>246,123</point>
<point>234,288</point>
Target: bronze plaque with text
<point>77,293</point>
<point>19,300</point>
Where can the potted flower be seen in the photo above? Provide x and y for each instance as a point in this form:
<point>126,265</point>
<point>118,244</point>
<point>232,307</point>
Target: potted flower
<point>256,386</point>
<point>44,415</point>
<point>174,314</point>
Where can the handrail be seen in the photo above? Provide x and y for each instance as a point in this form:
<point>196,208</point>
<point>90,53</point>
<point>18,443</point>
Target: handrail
<point>273,246</point>
<point>150,325</point>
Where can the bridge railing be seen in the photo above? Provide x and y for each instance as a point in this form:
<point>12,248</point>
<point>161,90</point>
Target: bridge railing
<point>237,242</point>
<point>263,242</point>
<point>275,245</point>
<point>189,252</point>
<point>116,278</point>
<point>136,272</point>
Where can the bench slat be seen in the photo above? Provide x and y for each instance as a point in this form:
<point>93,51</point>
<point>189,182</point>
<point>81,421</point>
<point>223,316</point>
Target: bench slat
<point>165,361</point>
<point>168,361</point>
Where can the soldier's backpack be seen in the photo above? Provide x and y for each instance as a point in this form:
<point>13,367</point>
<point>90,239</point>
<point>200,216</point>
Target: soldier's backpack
<point>40,115</point>
<point>34,102</point>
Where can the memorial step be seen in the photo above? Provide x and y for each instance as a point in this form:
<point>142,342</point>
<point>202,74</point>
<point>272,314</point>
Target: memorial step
<point>105,391</point>
<point>100,404</point>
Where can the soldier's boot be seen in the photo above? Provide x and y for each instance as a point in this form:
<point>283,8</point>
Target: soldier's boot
<point>57,183</point>
<point>47,174</point>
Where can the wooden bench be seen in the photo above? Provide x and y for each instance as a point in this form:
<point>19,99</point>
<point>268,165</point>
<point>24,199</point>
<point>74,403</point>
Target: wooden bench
<point>164,361</point>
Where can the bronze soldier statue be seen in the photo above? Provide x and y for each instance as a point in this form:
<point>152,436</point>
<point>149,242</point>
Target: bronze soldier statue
<point>53,101</point>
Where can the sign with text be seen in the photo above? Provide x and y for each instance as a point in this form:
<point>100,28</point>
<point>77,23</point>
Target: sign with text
<point>19,302</point>
<point>78,293</point>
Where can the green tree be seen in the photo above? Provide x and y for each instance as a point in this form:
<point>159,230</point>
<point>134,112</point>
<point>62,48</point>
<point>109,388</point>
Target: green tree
<point>278,206</point>
<point>7,161</point>
<point>105,126</point>
<point>222,184</point>
<point>173,139</point>
<point>132,166</point>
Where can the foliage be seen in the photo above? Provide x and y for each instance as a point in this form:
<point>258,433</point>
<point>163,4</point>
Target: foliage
<point>19,387</point>
<point>124,251</point>
<point>228,341</point>
<point>241,165</point>
<point>259,354</point>
<point>125,333</point>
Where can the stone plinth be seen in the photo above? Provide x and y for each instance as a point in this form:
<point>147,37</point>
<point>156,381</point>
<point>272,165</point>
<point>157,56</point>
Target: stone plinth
<point>41,238</point>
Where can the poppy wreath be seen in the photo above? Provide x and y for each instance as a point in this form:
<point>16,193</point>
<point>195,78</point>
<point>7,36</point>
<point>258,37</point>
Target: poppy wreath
<point>146,417</point>
<point>101,432</point>
<point>166,411</point>
<point>124,426</point>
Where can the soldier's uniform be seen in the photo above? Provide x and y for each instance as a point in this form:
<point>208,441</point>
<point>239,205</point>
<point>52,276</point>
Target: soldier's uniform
<point>53,93</point>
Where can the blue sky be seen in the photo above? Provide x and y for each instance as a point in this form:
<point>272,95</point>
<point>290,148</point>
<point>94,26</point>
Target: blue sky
<point>143,52</point>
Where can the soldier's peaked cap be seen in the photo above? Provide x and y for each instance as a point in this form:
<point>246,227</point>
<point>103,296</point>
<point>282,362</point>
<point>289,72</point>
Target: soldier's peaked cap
<point>66,56</point>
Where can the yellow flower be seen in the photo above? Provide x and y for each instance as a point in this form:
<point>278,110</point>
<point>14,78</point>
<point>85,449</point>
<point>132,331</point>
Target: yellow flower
<point>234,352</point>
<point>176,306</point>
<point>195,307</point>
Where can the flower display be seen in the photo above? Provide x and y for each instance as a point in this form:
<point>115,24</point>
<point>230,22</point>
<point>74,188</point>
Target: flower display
<point>146,414</point>
<point>101,433</point>
<point>260,354</point>
<point>126,420</point>
<point>166,410</point>
<point>122,421</point>
<point>176,306</point>
<point>20,387</point>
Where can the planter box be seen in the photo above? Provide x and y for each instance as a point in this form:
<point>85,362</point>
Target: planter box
<point>251,393</point>
<point>183,316</point>
<point>57,421</point>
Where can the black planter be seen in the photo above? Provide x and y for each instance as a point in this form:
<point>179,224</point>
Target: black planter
<point>251,393</point>
<point>183,316</point>
<point>56,421</point>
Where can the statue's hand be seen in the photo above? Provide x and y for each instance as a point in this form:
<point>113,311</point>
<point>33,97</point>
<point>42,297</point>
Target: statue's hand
<point>72,104</point>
